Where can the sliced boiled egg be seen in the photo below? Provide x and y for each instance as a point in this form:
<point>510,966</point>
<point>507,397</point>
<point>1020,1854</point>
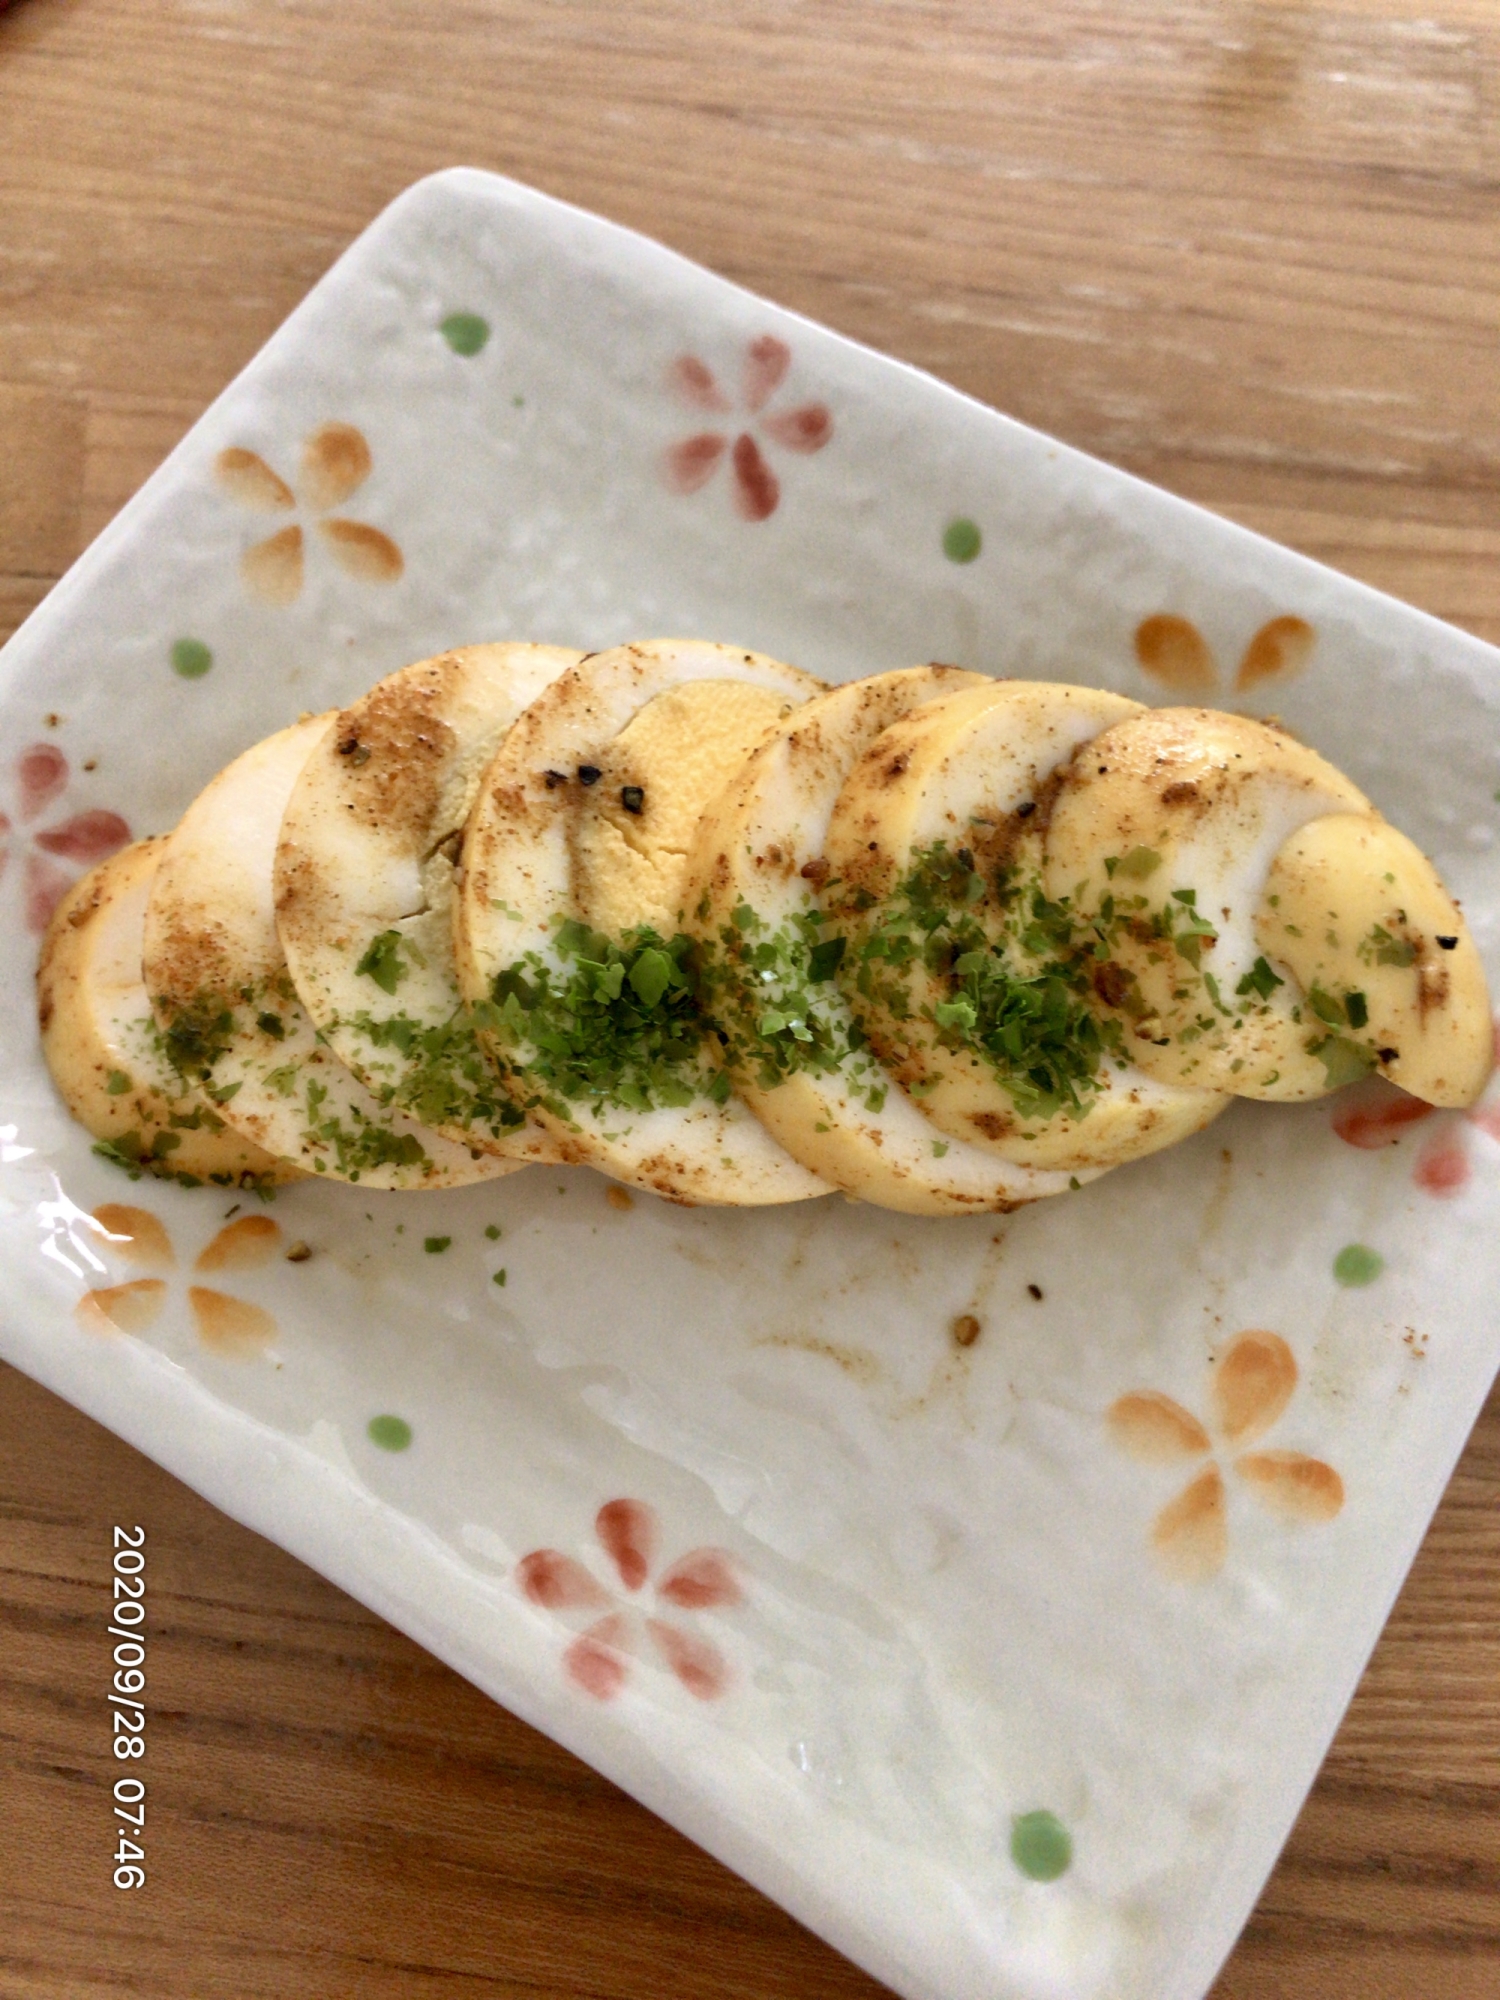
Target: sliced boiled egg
<point>369,853</point>
<point>569,938</point>
<point>229,1013</point>
<point>796,1052</point>
<point>1383,955</point>
<point>1161,837</point>
<point>964,981</point>
<point>103,1046</point>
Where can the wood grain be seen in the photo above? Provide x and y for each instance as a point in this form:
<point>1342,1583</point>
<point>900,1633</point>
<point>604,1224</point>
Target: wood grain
<point>1249,250</point>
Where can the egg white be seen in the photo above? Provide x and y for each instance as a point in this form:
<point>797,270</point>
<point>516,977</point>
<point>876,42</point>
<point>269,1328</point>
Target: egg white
<point>210,948</point>
<point>1188,802</point>
<point>100,1040</point>
<point>761,849</point>
<point>370,846</point>
<point>520,882</point>
<point>1358,913</point>
<point>972,773</point>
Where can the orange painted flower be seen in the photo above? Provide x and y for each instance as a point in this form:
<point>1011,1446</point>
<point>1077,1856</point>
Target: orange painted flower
<point>51,856</point>
<point>1250,1387</point>
<point>137,1239</point>
<point>1173,651</point>
<point>597,1659</point>
<point>693,461</point>
<point>336,462</point>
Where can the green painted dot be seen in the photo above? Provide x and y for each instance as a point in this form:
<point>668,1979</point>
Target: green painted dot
<point>1357,1265</point>
<point>465,333</point>
<point>1040,1846</point>
<point>962,540</point>
<point>390,1433</point>
<point>191,658</point>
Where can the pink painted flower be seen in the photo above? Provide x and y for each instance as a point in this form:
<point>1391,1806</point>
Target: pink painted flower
<point>51,856</point>
<point>694,460</point>
<point>1443,1168</point>
<point>597,1658</point>
<point>1375,1114</point>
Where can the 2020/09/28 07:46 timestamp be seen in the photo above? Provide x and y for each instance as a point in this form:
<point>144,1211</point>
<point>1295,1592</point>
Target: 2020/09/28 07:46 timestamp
<point>127,1692</point>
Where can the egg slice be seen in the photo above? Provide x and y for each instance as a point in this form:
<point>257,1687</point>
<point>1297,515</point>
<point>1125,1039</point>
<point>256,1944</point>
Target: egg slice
<point>569,939</point>
<point>366,863</point>
<point>103,1046</point>
<point>964,980</point>
<point>1382,952</point>
<point>229,1013</point>
<point>797,1055</point>
<point>1162,834</point>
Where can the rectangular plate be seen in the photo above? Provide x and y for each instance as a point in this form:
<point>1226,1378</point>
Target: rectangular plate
<point>958,1602</point>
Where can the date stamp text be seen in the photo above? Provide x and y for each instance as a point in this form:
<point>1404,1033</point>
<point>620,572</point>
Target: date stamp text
<point>127,1702</point>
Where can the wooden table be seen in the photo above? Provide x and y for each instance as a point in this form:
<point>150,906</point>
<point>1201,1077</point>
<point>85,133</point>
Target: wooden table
<point>1249,250</point>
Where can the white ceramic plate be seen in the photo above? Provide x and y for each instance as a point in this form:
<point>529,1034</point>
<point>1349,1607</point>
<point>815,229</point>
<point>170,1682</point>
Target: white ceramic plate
<point>943,1622</point>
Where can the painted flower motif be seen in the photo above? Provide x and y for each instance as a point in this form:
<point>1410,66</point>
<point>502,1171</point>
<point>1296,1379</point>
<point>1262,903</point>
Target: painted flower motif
<point>1374,1115</point>
<point>51,856</point>
<point>1173,651</point>
<point>137,1239</point>
<point>691,463</point>
<point>336,462</point>
<point>1250,1387</point>
<point>597,1658</point>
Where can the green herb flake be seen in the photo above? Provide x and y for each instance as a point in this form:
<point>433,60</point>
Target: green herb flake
<point>650,976</point>
<point>122,1152</point>
<point>445,1078</point>
<point>360,1146</point>
<point>1381,947</point>
<point>825,958</point>
<point>617,1024</point>
<point>499,1277</point>
<point>382,961</point>
<point>197,1036</point>
<point>1260,980</point>
<point>1014,975</point>
<point>1343,1060</point>
<point>117,1083</point>
<point>1326,1008</point>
